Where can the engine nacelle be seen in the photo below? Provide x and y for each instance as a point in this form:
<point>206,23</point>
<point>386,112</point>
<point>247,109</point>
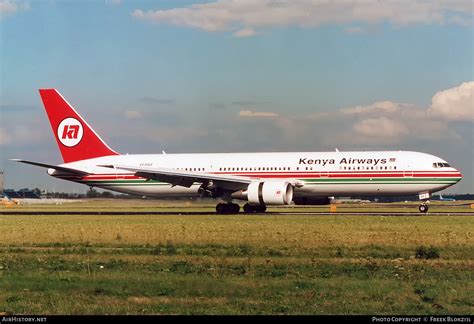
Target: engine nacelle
<point>312,200</point>
<point>270,193</point>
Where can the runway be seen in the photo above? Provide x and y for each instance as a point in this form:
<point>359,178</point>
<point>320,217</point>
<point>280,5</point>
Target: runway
<point>196,213</point>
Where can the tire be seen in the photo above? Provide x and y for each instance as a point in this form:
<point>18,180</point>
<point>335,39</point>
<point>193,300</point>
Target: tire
<point>234,209</point>
<point>260,208</point>
<point>220,208</point>
<point>249,209</point>
<point>423,208</point>
<point>224,209</point>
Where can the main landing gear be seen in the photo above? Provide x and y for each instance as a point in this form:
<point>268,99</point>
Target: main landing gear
<point>250,209</point>
<point>228,208</point>
<point>231,208</point>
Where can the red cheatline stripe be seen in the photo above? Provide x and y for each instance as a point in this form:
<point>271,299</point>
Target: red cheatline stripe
<point>368,173</point>
<point>295,175</point>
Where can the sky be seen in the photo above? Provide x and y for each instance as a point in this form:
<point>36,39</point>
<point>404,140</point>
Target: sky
<point>239,76</point>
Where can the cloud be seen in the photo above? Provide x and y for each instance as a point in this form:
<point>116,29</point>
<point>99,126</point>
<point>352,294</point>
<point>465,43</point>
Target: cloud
<point>380,107</point>
<point>4,137</point>
<point>382,123</point>
<point>244,18</point>
<point>249,103</point>
<point>249,113</point>
<point>31,132</point>
<point>381,127</point>
<point>354,30</point>
<point>245,32</point>
<point>455,103</point>
<point>9,7</point>
<point>133,114</point>
<point>389,123</point>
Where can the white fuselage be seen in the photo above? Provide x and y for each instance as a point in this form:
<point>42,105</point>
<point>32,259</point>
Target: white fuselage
<point>319,173</point>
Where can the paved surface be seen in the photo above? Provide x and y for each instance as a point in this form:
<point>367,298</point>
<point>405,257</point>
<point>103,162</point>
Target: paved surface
<point>316,213</point>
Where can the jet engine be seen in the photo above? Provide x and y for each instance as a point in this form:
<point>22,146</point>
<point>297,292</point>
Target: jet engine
<point>270,193</point>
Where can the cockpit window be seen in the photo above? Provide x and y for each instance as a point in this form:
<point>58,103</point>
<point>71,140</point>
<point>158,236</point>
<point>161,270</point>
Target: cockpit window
<point>441,165</point>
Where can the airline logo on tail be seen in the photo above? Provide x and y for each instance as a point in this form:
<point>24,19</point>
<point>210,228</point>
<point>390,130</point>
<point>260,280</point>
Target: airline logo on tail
<point>70,132</point>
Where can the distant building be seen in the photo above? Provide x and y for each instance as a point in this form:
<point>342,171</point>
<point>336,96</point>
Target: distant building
<point>20,194</point>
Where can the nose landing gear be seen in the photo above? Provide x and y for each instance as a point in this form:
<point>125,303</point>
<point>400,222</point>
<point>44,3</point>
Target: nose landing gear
<point>425,197</point>
<point>423,208</point>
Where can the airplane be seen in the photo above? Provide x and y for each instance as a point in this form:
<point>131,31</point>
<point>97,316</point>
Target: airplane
<point>441,198</point>
<point>259,179</point>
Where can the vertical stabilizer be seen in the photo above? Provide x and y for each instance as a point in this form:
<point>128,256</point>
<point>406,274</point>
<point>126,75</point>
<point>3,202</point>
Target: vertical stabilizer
<point>76,139</point>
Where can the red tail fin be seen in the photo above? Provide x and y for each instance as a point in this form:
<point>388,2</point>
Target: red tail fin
<point>75,138</point>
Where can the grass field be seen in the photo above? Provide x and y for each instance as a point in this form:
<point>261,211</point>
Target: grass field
<point>210,264</point>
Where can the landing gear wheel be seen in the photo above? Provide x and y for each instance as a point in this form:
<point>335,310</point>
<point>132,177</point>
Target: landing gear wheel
<point>227,208</point>
<point>423,208</point>
<point>249,209</point>
<point>260,208</point>
<point>220,208</point>
<point>234,208</point>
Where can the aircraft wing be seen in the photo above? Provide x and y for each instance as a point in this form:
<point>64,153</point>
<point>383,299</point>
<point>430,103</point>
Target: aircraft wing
<point>187,178</point>
<point>55,167</point>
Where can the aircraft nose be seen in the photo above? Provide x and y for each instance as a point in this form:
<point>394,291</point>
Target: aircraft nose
<point>458,174</point>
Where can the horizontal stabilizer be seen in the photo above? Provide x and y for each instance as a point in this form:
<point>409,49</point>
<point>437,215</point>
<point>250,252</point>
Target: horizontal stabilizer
<point>52,166</point>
